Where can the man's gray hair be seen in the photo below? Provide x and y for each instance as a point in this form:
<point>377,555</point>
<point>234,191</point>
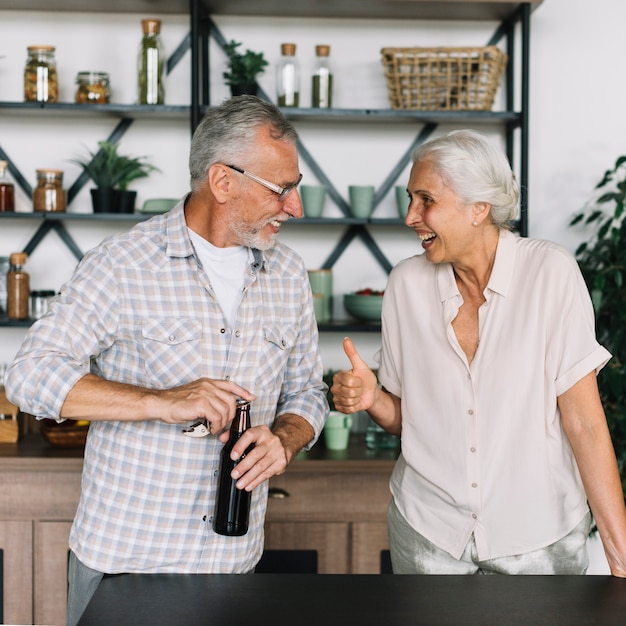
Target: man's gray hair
<point>227,133</point>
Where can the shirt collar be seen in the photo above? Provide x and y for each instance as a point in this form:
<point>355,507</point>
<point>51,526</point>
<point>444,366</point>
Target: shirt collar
<point>501,273</point>
<point>179,243</point>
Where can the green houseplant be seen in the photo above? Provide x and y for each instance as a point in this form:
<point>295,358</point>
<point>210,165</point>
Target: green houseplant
<point>242,69</point>
<point>112,172</point>
<point>602,261</point>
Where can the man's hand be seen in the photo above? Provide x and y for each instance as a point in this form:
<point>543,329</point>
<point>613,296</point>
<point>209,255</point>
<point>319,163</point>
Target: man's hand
<point>273,449</point>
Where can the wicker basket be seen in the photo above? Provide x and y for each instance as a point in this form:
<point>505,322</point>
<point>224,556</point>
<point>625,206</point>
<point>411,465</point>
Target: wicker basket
<point>455,79</point>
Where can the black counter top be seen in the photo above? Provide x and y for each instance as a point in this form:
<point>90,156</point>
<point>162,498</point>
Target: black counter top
<point>363,600</point>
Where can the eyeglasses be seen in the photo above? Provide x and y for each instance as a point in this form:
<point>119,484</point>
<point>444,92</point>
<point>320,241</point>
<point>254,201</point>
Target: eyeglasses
<point>282,192</point>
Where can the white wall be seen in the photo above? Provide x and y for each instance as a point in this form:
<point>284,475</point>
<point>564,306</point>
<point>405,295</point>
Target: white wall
<point>577,121</point>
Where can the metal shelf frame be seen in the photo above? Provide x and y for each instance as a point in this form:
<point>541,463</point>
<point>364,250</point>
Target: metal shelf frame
<point>513,20</point>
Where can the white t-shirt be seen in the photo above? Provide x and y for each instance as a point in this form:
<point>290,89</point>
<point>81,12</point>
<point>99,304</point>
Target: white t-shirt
<point>226,269</point>
<point>483,447</point>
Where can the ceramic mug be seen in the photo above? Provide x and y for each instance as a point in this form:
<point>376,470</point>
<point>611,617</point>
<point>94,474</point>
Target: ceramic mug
<point>361,200</point>
<point>322,284</point>
<point>402,201</point>
<point>313,197</point>
<point>337,430</point>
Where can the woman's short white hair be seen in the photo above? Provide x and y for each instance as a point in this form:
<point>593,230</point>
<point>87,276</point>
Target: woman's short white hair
<point>476,171</point>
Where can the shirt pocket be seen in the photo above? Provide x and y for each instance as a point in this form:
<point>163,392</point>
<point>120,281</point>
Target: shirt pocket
<point>172,351</point>
<point>278,343</point>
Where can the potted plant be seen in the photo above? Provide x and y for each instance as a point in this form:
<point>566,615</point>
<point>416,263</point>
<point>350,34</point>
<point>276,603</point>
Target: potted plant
<point>242,69</point>
<point>602,261</point>
<point>112,172</point>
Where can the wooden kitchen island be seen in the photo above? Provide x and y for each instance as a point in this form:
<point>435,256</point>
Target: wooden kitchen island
<point>332,503</point>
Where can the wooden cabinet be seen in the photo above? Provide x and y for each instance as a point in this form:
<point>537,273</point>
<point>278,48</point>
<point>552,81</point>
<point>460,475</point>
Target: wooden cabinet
<point>337,508</point>
<point>38,498</point>
<point>16,575</point>
<point>331,503</point>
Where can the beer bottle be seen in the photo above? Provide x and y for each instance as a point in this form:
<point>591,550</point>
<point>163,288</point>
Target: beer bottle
<point>232,505</point>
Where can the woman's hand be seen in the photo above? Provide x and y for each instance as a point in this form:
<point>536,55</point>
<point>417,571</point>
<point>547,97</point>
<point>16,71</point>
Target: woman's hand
<point>356,389</point>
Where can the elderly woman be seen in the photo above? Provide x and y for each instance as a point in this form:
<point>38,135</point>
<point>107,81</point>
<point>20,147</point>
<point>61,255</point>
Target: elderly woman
<point>488,372</point>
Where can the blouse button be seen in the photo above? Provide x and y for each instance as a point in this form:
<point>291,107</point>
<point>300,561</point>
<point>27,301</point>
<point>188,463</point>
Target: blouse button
<point>237,334</point>
<point>222,330</point>
<point>470,412</point>
<point>172,337</point>
<point>472,449</point>
<point>474,485</point>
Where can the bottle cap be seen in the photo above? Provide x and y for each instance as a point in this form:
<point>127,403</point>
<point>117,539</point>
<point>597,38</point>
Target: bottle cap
<point>18,258</point>
<point>288,49</point>
<point>41,48</point>
<point>322,50</point>
<point>151,26</point>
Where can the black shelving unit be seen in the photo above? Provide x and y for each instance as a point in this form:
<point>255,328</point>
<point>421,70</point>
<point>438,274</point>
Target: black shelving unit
<point>513,19</point>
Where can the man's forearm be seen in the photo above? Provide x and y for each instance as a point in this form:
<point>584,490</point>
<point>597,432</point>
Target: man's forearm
<point>294,432</point>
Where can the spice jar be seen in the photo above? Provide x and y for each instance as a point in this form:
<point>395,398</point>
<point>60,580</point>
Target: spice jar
<point>40,75</point>
<point>322,87</point>
<point>93,88</point>
<point>150,64</point>
<point>288,77</point>
<point>7,190</point>
<point>39,302</point>
<point>49,194</point>
<point>17,287</point>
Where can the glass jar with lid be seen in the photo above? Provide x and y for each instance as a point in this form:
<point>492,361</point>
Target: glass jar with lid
<point>49,194</point>
<point>40,75</point>
<point>92,88</point>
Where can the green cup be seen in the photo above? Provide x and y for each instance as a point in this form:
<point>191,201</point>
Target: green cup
<point>402,201</point>
<point>313,197</point>
<point>322,284</point>
<point>337,430</point>
<point>361,200</point>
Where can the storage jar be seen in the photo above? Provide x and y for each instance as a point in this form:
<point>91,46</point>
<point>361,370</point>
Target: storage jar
<point>92,88</point>
<point>49,194</point>
<point>40,75</point>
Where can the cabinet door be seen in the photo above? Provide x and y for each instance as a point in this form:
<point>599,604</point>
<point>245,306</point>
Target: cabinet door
<point>370,545</point>
<point>50,575</point>
<point>17,572</point>
<point>329,540</point>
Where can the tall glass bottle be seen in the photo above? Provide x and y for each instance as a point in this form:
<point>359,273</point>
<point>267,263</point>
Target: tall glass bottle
<point>150,64</point>
<point>18,287</point>
<point>232,505</point>
<point>7,190</point>
<point>288,77</point>
<point>322,87</point>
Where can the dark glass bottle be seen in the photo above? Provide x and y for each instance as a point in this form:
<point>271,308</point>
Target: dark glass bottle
<point>232,505</point>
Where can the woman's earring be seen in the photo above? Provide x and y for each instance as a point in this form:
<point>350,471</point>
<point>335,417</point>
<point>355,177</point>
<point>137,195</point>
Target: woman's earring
<point>474,223</point>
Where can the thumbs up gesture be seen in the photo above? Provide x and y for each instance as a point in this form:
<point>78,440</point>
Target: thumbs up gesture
<point>355,389</point>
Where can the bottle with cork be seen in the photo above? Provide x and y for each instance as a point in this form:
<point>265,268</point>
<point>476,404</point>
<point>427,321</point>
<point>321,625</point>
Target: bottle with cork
<point>288,77</point>
<point>18,287</point>
<point>322,87</point>
<point>7,190</point>
<point>150,64</point>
